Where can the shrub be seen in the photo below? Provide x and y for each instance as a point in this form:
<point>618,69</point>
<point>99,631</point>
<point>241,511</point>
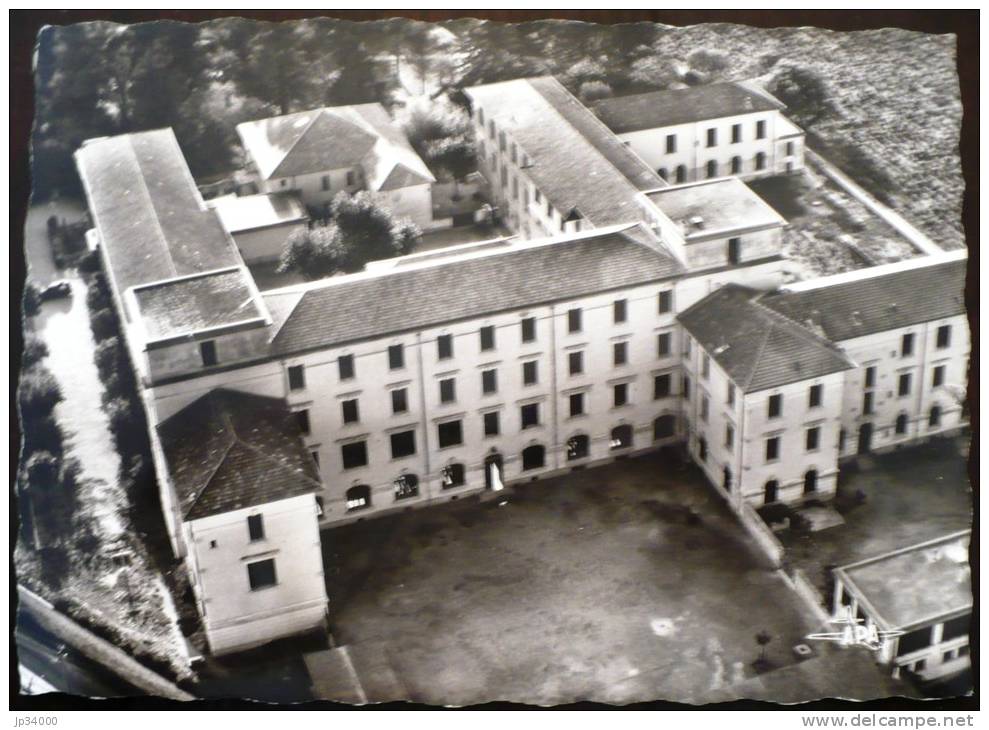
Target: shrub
<point>42,470</point>
<point>35,350</point>
<point>104,324</point>
<point>108,357</point>
<point>708,61</point>
<point>32,300</point>
<point>38,393</point>
<point>97,295</point>
<point>591,91</point>
<point>91,263</point>
<point>41,433</point>
<point>55,565</point>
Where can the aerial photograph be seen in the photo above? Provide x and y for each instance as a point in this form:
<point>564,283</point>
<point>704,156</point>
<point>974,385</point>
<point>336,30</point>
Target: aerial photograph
<point>458,362</point>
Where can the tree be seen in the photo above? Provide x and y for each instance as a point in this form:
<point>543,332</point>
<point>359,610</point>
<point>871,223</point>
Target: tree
<point>315,252</point>
<point>804,92</point>
<point>655,72</point>
<point>38,393</point>
<point>35,350</point>
<point>707,61</point>
<point>457,155</point>
<point>591,91</point>
<point>407,236</point>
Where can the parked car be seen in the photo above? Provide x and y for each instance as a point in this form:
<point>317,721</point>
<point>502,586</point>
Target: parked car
<point>56,290</point>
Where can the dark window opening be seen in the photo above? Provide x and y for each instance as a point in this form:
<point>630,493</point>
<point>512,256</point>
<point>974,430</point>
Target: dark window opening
<point>664,344</point>
<point>406,486</point>
<point>354,454</point>
<point>576,404</point>
<point>489,381</point>
<point>903,387</point>
<point>450,434</point>
<point>491,424</point>
<point>620,310</point>
<point>760,161</point>
<point>351,412</point>
<point>621,437</point>
<point>444,347</point>
<point>255,527</point>
<point>530,372</point>
<point>906,346</point>
<point>620,353</point>
<point>448,390</point>
<point>712,137</point>
<point>775,405</point>
<point>207,351</point>
<point>396,357</point>
<point>736,133</point>
<point>296,377</point>
<point>403,444</point>
<point>621,394</point>
<point>399,401</point>
<point>302,419</point>
<point>487,337</point>
<point>943,336</point>
<point>575,361</point>
<point>772,448</point>
<point>533,457</point>
<point>815,396</point>
<point>529,329</point>
<point>870,376</point>
<point>736,165</point>
<point>454,475</point>
<point>661,386</point>
<point>578,447</point>
<point>813,438</point>
<point>901,424</point>
<point>711,169</point>
<point>734,250</point>
<point>770,491</point>
<point>665,301</point>
<point>934,418</point>
<point>681,173</point>
<point>914,641</point>
<point>261,574</point>
<point>530,415</point>
<point>345,363</point>
<point>573,320</point>
<point>937,379</point>
<point>664,427</point>
<point>810,481</point>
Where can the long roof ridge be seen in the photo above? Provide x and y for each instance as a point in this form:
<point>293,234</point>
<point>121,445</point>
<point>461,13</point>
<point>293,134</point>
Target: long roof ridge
<point>316,113</point>
<point>159,230</point>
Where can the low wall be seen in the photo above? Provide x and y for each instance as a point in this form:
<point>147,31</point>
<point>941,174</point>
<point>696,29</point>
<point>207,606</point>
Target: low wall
<point>760,532</point>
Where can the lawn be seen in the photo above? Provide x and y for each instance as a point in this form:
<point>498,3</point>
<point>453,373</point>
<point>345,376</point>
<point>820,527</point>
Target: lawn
<point>829,232</point>
<point>628,582</point>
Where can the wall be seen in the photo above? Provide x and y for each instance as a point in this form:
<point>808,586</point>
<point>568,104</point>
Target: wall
<point>414,201</point>
<point>310,186</point>
<point>883,350</point>
<point>185,357</point>
<point>264,244</point>
<point>710,251</point>
<point>234,615</point>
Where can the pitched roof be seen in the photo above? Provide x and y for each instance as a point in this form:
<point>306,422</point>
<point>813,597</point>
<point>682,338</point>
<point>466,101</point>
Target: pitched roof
<point>332,138</point>
<point>230,450</point>
<point>714,205</point>
<point>152,221</point>
<point>656,109</point>
<point>567,167</point>
<point>183,306</point>
<point>755,346</point>
<point>872,304</point>
<point>398,299</point>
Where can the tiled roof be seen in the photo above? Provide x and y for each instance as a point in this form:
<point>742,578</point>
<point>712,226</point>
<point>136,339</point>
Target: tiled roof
<point>332,138</point>
<point>714,205</point>
<point>595,132</point>
<point>755,346</point>
<point>364,306</point>
<point>877,303</point>
<point>187,305</point>
<point>565,166</point>
<point>230,450</point>
<point>152,221</point>
<point>656,109</point>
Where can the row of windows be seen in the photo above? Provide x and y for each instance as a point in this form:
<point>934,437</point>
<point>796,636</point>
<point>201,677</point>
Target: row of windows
<point>904,386</point>
<point>711,136</point>
<point>711,169</point>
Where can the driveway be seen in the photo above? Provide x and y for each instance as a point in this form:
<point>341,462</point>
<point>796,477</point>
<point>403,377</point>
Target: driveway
<point>628,582</point>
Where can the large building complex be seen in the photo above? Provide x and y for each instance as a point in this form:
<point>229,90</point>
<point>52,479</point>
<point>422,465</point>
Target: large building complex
<point>627,315</point>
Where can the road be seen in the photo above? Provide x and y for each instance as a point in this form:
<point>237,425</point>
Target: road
<point>62,667</point>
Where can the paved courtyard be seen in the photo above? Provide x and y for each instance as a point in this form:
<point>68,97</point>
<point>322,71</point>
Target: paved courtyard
<point>911,496</point>
<point>623,583</point>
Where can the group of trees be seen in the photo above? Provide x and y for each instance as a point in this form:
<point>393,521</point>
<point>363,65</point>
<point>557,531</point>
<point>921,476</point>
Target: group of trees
<point>359,230</point>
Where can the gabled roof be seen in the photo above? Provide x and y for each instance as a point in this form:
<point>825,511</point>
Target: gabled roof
<point>567,167</point>
<point>230,450</point>
<point>397,299</point>
<point>872,304</point>
<point>757,347</point>
<point>657,109</point>
<point>332,138</point>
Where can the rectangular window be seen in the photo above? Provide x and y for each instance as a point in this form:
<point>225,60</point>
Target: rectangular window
<point>302,418</point>
<point>906,345</point>
<point>325,182</point>
<point>760,129</point>
<point>665,301</point>
<point>573,320</point>
<point>937,379</point>
<point>620,353</point>
<point>671,144</point>
<point>207,352</point>
<point>789,149</point>
<point>487,338</point>
<point>261,574</point>
<point>489,381</point>
<point>661,386</point>
<point>943,336</point>
<point>736,133</point>
<point>399,400</point>
<point>772,448</point>
<point>396,357</point>
<point>686,387</point>
<point>575,361</point>
<point>686,346</point>
<point>730,398</point>
<point>620,310</point>
<point>705,408</point>
<point>449,434</point>
<point>351,178</point>
<point>814,397</point>
<point>729,436</point>
<point>734,250</point>
<point>813,438</point>
<point>255,527</point>
<point>296,377</point>
<point>345,364</point>
<point>867,403</point>
<point>712,137</point>
<point>444,347</point>
<point>775,406</point>
<point>576,404</point>
<point>351,413</point>
<point>621,394</point>
<point>515,153</point>
<point>403,444</point>
<point>354,454</point>
<point>530,372</point>
<point>870,376</point>
<point>529,329</point>
<point>448,390</point>
<point>903,388</point>
<point>706,366</point>
<point>663,344</point>
<point>530,415</point>
<point>491,424</point>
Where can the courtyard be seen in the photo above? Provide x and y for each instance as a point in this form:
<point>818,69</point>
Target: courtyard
<point>628,582</point>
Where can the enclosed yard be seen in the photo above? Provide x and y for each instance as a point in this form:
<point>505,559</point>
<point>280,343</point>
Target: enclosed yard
<point>628,582</point>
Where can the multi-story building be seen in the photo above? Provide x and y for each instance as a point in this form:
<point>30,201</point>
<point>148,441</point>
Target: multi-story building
<point>434,375</point>
<point>917,602</point>
<point>705,132</point>
<point>316,154</point>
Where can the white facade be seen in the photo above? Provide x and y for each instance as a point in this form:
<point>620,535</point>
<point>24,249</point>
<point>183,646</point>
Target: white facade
<point>253,588</point>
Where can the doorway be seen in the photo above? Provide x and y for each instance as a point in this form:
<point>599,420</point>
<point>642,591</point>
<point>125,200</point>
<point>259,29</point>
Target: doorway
<point>865,438</point>
<point>492,472</point>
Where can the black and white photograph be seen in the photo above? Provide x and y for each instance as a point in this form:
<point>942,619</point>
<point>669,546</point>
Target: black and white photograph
<point>461,360</point>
